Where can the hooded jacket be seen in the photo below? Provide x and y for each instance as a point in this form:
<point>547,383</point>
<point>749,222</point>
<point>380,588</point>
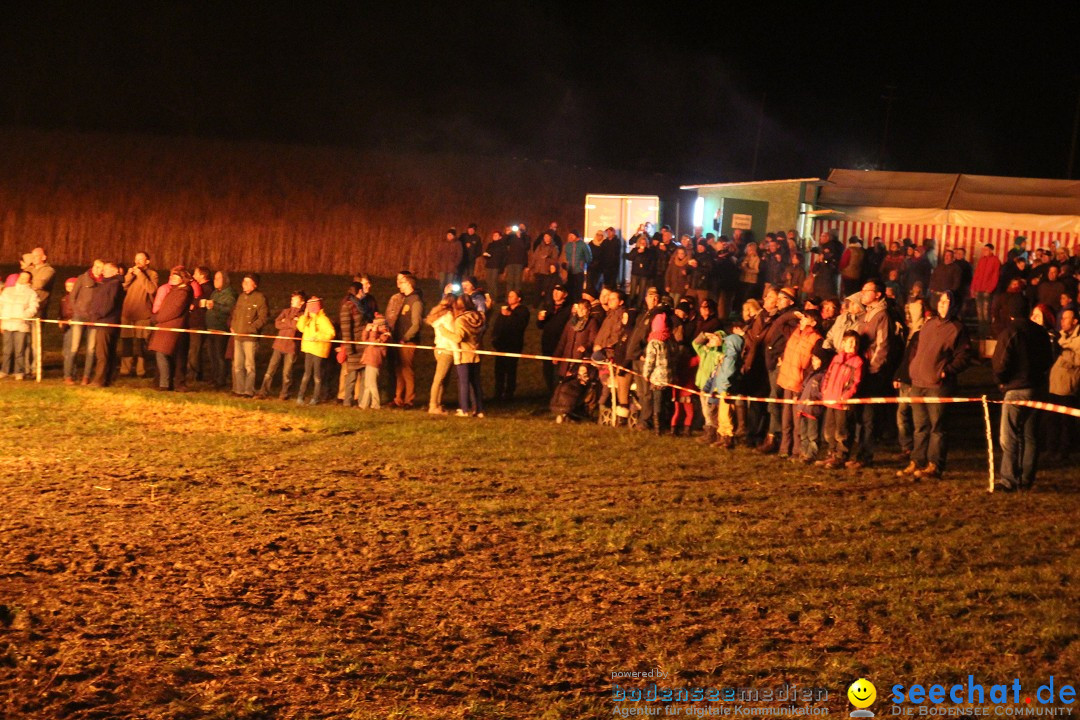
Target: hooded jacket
<point>316,332</point>
<point>943,352</point>
<point>1023,356</point>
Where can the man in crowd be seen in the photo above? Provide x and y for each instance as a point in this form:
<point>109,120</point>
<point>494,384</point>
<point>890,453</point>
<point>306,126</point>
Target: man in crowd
<point>576,256</point>
<point>494,259</point>
<point>197,321</point>
<point>983,285</point>
<point>944,350</point>
<point>404,315</point>
<point>880,348</point>
<point>517,257</point>
<point>248,318</point>
<point>106,305</point>
<point>42,275</point>
<point>470,250</point>
<point>545,267</point>
<point>508,335</point>
<point>140,284</point>
<point>81,297</point>
<point>551,319</point>
<point>1021,365</point>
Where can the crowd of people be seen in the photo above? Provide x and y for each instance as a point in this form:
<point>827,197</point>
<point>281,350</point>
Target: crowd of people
<point>669,332</point>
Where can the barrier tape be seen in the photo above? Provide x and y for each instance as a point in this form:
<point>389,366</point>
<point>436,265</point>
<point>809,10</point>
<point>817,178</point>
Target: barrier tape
<point>1049,407</point>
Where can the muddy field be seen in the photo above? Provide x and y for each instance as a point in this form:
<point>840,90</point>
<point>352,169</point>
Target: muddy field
<point>195,556</point>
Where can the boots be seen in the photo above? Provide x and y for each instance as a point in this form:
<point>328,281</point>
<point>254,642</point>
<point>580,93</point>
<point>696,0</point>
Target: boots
<point>725,441</point>
<point>770,446</point>
<point>709,436</point>
<point>740,420</point>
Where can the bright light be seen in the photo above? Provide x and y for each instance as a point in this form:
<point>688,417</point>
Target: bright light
<point>456,287</point>
<point>514,228</point>
<point>699,212</point>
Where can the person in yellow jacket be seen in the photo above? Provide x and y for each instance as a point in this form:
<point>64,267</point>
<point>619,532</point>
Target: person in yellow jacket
<point>316,332</point>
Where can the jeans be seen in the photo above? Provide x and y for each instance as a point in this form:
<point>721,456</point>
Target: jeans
<point>286,360</point>
<point>776,410</point>
<point>930,443</point>
<point>544,286</point>
<point>14,352</point>
<point>78,332</point>
<point>872,386</point>
<point>982,309</point>
<point>405,376</point>
<point>164,369</point>
<point>575,284</point>
<point>444,361</point>
<point>638,285</point>
<point>513,278</point>
<point>217,345</point>
<point>838,422</point>
<point>243,367</point>
<point>196,343</point>
<point>312,369</point>
<point>904,422</point>
<point>468,375</point>
<point>809,432</point>
<point>492,276</point>
<point>788,429</point>
<point>105,340</point>
<point>1019,441</point>
<point>446,278</point>
<point>370,396</point>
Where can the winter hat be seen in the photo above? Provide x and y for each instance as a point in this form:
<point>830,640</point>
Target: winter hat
<point>11,280</point>
<point>314,304</point>
<point>659,328</point>
<point>71,280</point>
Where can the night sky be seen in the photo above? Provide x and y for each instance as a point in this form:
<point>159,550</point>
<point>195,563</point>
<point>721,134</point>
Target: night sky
<point>670,89</point>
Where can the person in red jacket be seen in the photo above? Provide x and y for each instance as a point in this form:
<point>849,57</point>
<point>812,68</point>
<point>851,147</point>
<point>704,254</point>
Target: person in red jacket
<point>840,384</point>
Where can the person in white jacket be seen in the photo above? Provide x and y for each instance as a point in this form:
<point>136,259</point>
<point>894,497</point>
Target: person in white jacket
<point>441,319</point>
<point>18,305</point>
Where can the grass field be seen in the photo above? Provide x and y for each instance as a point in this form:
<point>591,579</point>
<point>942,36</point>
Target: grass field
<point>200,556</point>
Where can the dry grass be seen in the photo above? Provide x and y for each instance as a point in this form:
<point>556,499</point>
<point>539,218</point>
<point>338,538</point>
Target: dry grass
<point>271,207</point>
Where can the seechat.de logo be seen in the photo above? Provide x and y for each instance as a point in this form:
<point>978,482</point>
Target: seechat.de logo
<point>862,695</point>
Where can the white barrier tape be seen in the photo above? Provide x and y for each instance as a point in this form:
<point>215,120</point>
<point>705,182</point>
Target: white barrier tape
<point>1049,407</point>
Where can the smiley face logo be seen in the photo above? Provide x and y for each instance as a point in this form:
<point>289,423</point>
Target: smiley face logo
<point>862,693</point>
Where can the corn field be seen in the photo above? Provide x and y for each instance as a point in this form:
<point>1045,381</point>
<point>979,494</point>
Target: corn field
<point>278,208</point>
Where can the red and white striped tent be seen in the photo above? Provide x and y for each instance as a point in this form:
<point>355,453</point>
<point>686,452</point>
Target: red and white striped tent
<point>958,211</point>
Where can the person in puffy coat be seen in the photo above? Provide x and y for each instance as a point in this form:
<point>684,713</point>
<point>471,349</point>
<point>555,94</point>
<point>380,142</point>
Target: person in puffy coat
<point>18,304</point>
<point>841,382</point>
<point>316,332</point>
<point>792,370</point>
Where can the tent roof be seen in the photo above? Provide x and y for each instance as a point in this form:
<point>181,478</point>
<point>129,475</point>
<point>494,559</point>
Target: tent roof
<point>871,188</point>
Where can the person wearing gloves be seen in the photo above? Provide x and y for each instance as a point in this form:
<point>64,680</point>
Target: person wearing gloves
<point>316,332</point>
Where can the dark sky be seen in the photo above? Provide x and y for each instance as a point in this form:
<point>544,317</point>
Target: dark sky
<point>671,88</point>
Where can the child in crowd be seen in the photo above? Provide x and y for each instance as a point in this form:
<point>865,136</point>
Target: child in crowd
<point>316,331</point>
<point>657,360</point>
<point>793,369</point>
<point>723,381</point>
<point>810,415</point>
<point>840,384</point>
<point>284,346</point>
<point>376,331</point>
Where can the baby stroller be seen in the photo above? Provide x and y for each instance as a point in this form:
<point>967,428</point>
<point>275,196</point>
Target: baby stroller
<point>577,395</point>
<point>614,414</point>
